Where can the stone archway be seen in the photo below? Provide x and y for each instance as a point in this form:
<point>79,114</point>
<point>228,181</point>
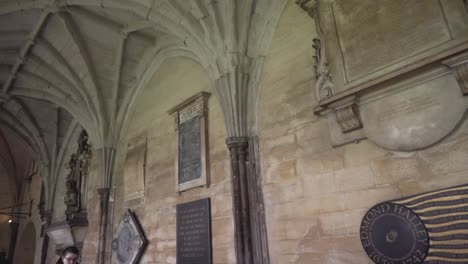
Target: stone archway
<point>26,246</point>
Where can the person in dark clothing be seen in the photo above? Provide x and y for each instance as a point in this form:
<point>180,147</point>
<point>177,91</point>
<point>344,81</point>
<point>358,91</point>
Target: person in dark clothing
<point>70,255</point>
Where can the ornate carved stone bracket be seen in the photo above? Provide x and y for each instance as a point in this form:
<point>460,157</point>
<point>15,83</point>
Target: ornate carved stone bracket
<point>324,87</point>
<point>347,114</point>
<point>459,63</point>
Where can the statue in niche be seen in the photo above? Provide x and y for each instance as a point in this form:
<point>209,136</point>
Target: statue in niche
<point>71,199</point>
<point>76,178</point>
<point>71,166</point>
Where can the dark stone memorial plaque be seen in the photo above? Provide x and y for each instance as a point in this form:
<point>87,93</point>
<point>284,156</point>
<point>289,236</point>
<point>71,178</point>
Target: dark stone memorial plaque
<point>189,150</point>
<point>194,232</point>
<point>392,233</point>
<point>424,228</point>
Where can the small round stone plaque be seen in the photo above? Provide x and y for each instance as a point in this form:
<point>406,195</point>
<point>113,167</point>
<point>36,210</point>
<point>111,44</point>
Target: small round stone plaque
<point>392,234</point>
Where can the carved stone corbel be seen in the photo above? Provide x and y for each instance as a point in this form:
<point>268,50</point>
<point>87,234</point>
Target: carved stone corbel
<point>459,64</point>
<point>347,114</point>
<point>324,87</point>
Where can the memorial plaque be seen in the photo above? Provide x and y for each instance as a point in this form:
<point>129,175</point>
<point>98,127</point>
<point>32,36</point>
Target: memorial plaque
<point>130,242</point>
<point>374,34</point>
<point>192,158</point>
<point>424,228</point>
<point>392,233</point>
<point>189,150</point>
<point>194,232</point>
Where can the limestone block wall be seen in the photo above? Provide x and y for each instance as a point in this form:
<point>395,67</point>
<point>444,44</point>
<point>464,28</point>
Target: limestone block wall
<point>316,195</point>
<point>148,186</point>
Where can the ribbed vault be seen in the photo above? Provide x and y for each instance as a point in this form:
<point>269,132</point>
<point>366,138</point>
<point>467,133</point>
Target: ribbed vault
<point>84,62</point>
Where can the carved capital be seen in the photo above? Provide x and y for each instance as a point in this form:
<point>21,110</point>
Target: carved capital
<point>103,194</point>
<point>459,64</point>
<point>46,216</point>
<point>237,142</point>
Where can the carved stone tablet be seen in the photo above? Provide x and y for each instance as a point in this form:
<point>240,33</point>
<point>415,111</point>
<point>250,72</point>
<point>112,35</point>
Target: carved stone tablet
<point>424,228</point>
<point>194,232</point>
<point>130,241</point>
<point>189,150</point>
<point>191,124</point>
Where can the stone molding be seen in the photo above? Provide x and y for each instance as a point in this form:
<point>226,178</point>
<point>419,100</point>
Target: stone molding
<point>459,64</point>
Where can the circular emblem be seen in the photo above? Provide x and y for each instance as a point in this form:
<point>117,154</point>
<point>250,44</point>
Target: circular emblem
<point>392,233</point>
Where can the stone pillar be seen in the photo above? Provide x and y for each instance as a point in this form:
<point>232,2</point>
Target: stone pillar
<point>249,215</point>
<point>103,204</point>
<point>14,235</point>
<point>46,217</point>
<point>238,147</point>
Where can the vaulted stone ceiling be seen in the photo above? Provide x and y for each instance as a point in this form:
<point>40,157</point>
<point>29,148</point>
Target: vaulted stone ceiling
<point>67,64</point>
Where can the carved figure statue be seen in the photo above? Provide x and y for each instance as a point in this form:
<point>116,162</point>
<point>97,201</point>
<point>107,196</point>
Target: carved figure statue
<point>71,166</point>
<point>71,198</point>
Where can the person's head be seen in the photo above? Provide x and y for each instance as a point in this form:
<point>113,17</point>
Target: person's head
<point>70,255</point>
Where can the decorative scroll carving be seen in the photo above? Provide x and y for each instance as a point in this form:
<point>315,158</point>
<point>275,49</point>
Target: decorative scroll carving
<point>191,125</point>
<point>459,63</point>
<point>424,228</point>
<point>130,241</point>
<point>324,87</point>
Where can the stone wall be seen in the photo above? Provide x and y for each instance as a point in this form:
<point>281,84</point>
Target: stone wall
<point>145,183</point>
<point>316,195</point>
<point>30,190</point>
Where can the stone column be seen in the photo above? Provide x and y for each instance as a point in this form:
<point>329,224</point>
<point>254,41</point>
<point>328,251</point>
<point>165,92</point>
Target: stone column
<point>103,204</point>
<point>46,217</point>
<point>238,147</point>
